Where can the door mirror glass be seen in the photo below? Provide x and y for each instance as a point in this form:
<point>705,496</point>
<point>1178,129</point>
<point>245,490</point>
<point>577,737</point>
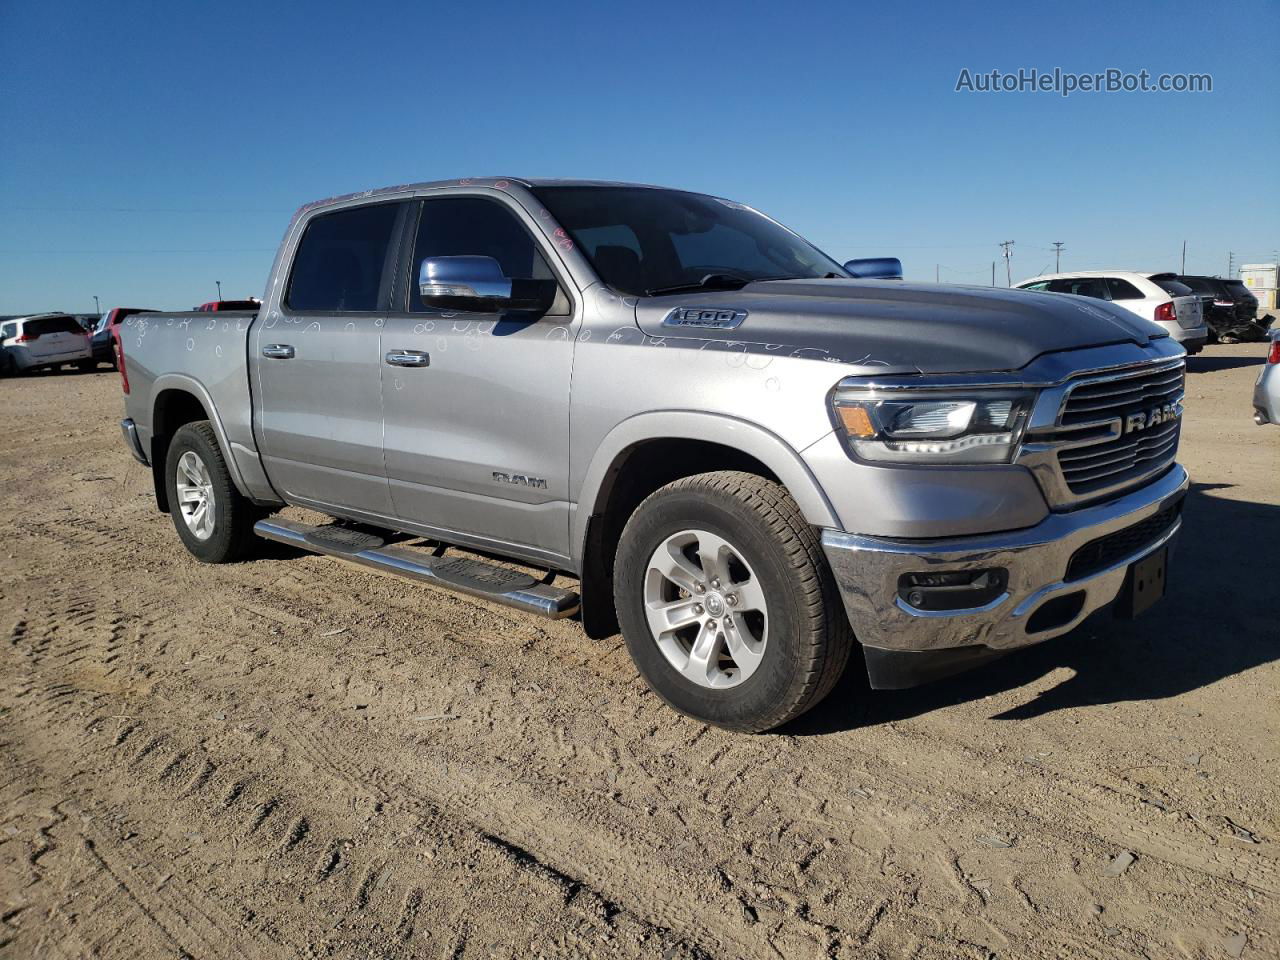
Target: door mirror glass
<point>478,285</point>
<point>875,268</point>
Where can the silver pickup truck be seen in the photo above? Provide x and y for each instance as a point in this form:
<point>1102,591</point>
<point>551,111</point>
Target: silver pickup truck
<point>667,414</point>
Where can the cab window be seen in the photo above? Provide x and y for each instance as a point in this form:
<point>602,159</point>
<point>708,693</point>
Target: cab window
<point>477,227</point>
<point>341,260</point>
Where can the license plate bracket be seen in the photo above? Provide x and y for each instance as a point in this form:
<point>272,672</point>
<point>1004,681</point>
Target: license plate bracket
<point>1144,584</point>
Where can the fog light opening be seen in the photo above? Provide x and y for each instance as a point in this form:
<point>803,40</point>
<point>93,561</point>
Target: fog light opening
<point>952,589</point>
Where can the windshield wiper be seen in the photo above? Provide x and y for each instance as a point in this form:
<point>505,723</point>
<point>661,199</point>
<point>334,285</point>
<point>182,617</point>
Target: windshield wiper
<point>826,276</point>
<point>712,281</point>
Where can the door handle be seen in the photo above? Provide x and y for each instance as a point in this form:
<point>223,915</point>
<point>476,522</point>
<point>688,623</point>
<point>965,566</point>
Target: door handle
<point>409,358</point>
<point>278,351</point>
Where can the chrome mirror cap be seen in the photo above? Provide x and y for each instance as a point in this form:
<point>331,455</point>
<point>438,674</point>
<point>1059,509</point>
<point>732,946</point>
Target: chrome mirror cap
<point>471,277</point>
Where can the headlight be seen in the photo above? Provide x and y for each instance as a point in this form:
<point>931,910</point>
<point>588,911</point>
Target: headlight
<point>932,426</point>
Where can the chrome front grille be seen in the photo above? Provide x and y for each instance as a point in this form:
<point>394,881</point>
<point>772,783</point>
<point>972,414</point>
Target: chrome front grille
<point>1111,431</point>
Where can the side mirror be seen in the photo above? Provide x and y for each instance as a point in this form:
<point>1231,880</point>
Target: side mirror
<point>478,285</point>
<point>876,268</point>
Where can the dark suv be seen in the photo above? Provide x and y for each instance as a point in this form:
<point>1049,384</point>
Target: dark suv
<point>1232,312</point>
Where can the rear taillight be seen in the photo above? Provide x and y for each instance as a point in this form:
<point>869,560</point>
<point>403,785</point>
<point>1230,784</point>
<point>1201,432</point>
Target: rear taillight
<point>117,347</point>
<point>27,338</point>
<point>1165,313</point>
<point>1273,356</point>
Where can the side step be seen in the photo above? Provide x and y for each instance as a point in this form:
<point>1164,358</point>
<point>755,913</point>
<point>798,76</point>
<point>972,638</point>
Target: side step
<point>473,577</point>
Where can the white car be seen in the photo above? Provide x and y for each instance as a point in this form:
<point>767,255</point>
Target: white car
<point>1158,297</point>
<point>44,340</point>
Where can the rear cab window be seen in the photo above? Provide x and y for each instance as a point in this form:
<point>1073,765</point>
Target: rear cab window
<point>341,264</point>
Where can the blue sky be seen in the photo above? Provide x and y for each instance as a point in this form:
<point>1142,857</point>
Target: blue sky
<point>147,150</point>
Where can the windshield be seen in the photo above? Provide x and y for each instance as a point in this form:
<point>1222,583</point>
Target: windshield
<point>645,241</point>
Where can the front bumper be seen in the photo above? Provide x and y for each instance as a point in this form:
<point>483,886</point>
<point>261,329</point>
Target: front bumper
<point>867,571</point>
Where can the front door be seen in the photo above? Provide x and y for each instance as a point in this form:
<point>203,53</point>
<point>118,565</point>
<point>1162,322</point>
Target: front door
<point>318,391</point>
<point>476,405</point>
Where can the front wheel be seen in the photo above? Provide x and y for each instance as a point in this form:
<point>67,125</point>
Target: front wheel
<point>213,520</point>
<point>726,602</point>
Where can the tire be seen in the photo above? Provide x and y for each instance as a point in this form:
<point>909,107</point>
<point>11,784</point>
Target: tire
<point>195,461</point>
<point>792,649</point>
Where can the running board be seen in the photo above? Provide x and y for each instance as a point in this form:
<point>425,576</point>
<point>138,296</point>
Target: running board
<point>467,575</point>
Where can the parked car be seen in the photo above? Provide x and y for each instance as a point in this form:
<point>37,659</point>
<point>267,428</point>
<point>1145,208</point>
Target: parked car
<point>102,343</point>
<point>1266,392</point>
<point>745,458</point>
<point>216,305</point>
<point>1234,309</point>
<point>44,341</point>
<point>1157,297</point>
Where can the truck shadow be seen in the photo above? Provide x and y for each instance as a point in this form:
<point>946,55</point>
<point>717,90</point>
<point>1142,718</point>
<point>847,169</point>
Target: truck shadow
<point>1217,620</point>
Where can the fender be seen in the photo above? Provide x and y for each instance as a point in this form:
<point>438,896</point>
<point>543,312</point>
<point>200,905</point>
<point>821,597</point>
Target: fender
<point>251,482</point>
<point>750,438</point>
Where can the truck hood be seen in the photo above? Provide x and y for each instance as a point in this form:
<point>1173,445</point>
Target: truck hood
<point>895,327</point>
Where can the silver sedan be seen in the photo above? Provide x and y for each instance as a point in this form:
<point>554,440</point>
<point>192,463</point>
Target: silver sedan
<point>1266,393</point>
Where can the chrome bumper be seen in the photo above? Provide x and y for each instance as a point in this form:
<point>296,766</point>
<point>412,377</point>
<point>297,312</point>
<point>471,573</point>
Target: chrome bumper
<point>130,431</point>
<point>867,570</point>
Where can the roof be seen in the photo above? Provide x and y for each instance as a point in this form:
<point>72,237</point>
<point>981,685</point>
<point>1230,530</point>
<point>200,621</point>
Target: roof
<point>1075,275</point>
<point>498,182</point>
<point>39,316</point>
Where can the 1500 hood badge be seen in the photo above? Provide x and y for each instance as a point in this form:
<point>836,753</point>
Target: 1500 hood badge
<point>717,318</point>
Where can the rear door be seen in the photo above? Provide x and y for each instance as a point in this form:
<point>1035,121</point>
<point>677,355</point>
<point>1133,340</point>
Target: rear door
<point>318,409</point>
<point>477,434</point>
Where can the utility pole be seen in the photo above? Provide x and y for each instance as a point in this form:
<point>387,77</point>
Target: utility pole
<point>1057,256</point>
<point>1231,257</point>
<point>219,283</point>
<point>993,273</point>
<point>1007,246</point>
<point>937,269</point>
<point>96,309</point>
<point>1184,258</point>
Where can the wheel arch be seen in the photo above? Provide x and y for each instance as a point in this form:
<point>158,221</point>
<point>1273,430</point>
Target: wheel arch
<point>176,401</point>
<point>651,450</point>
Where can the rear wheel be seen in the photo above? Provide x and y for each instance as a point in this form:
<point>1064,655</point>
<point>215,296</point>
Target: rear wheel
<point>726,603</point>
<point>213,520</point>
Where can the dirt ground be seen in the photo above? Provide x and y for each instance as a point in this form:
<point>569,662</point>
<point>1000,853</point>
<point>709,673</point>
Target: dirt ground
<point>295,757</point>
